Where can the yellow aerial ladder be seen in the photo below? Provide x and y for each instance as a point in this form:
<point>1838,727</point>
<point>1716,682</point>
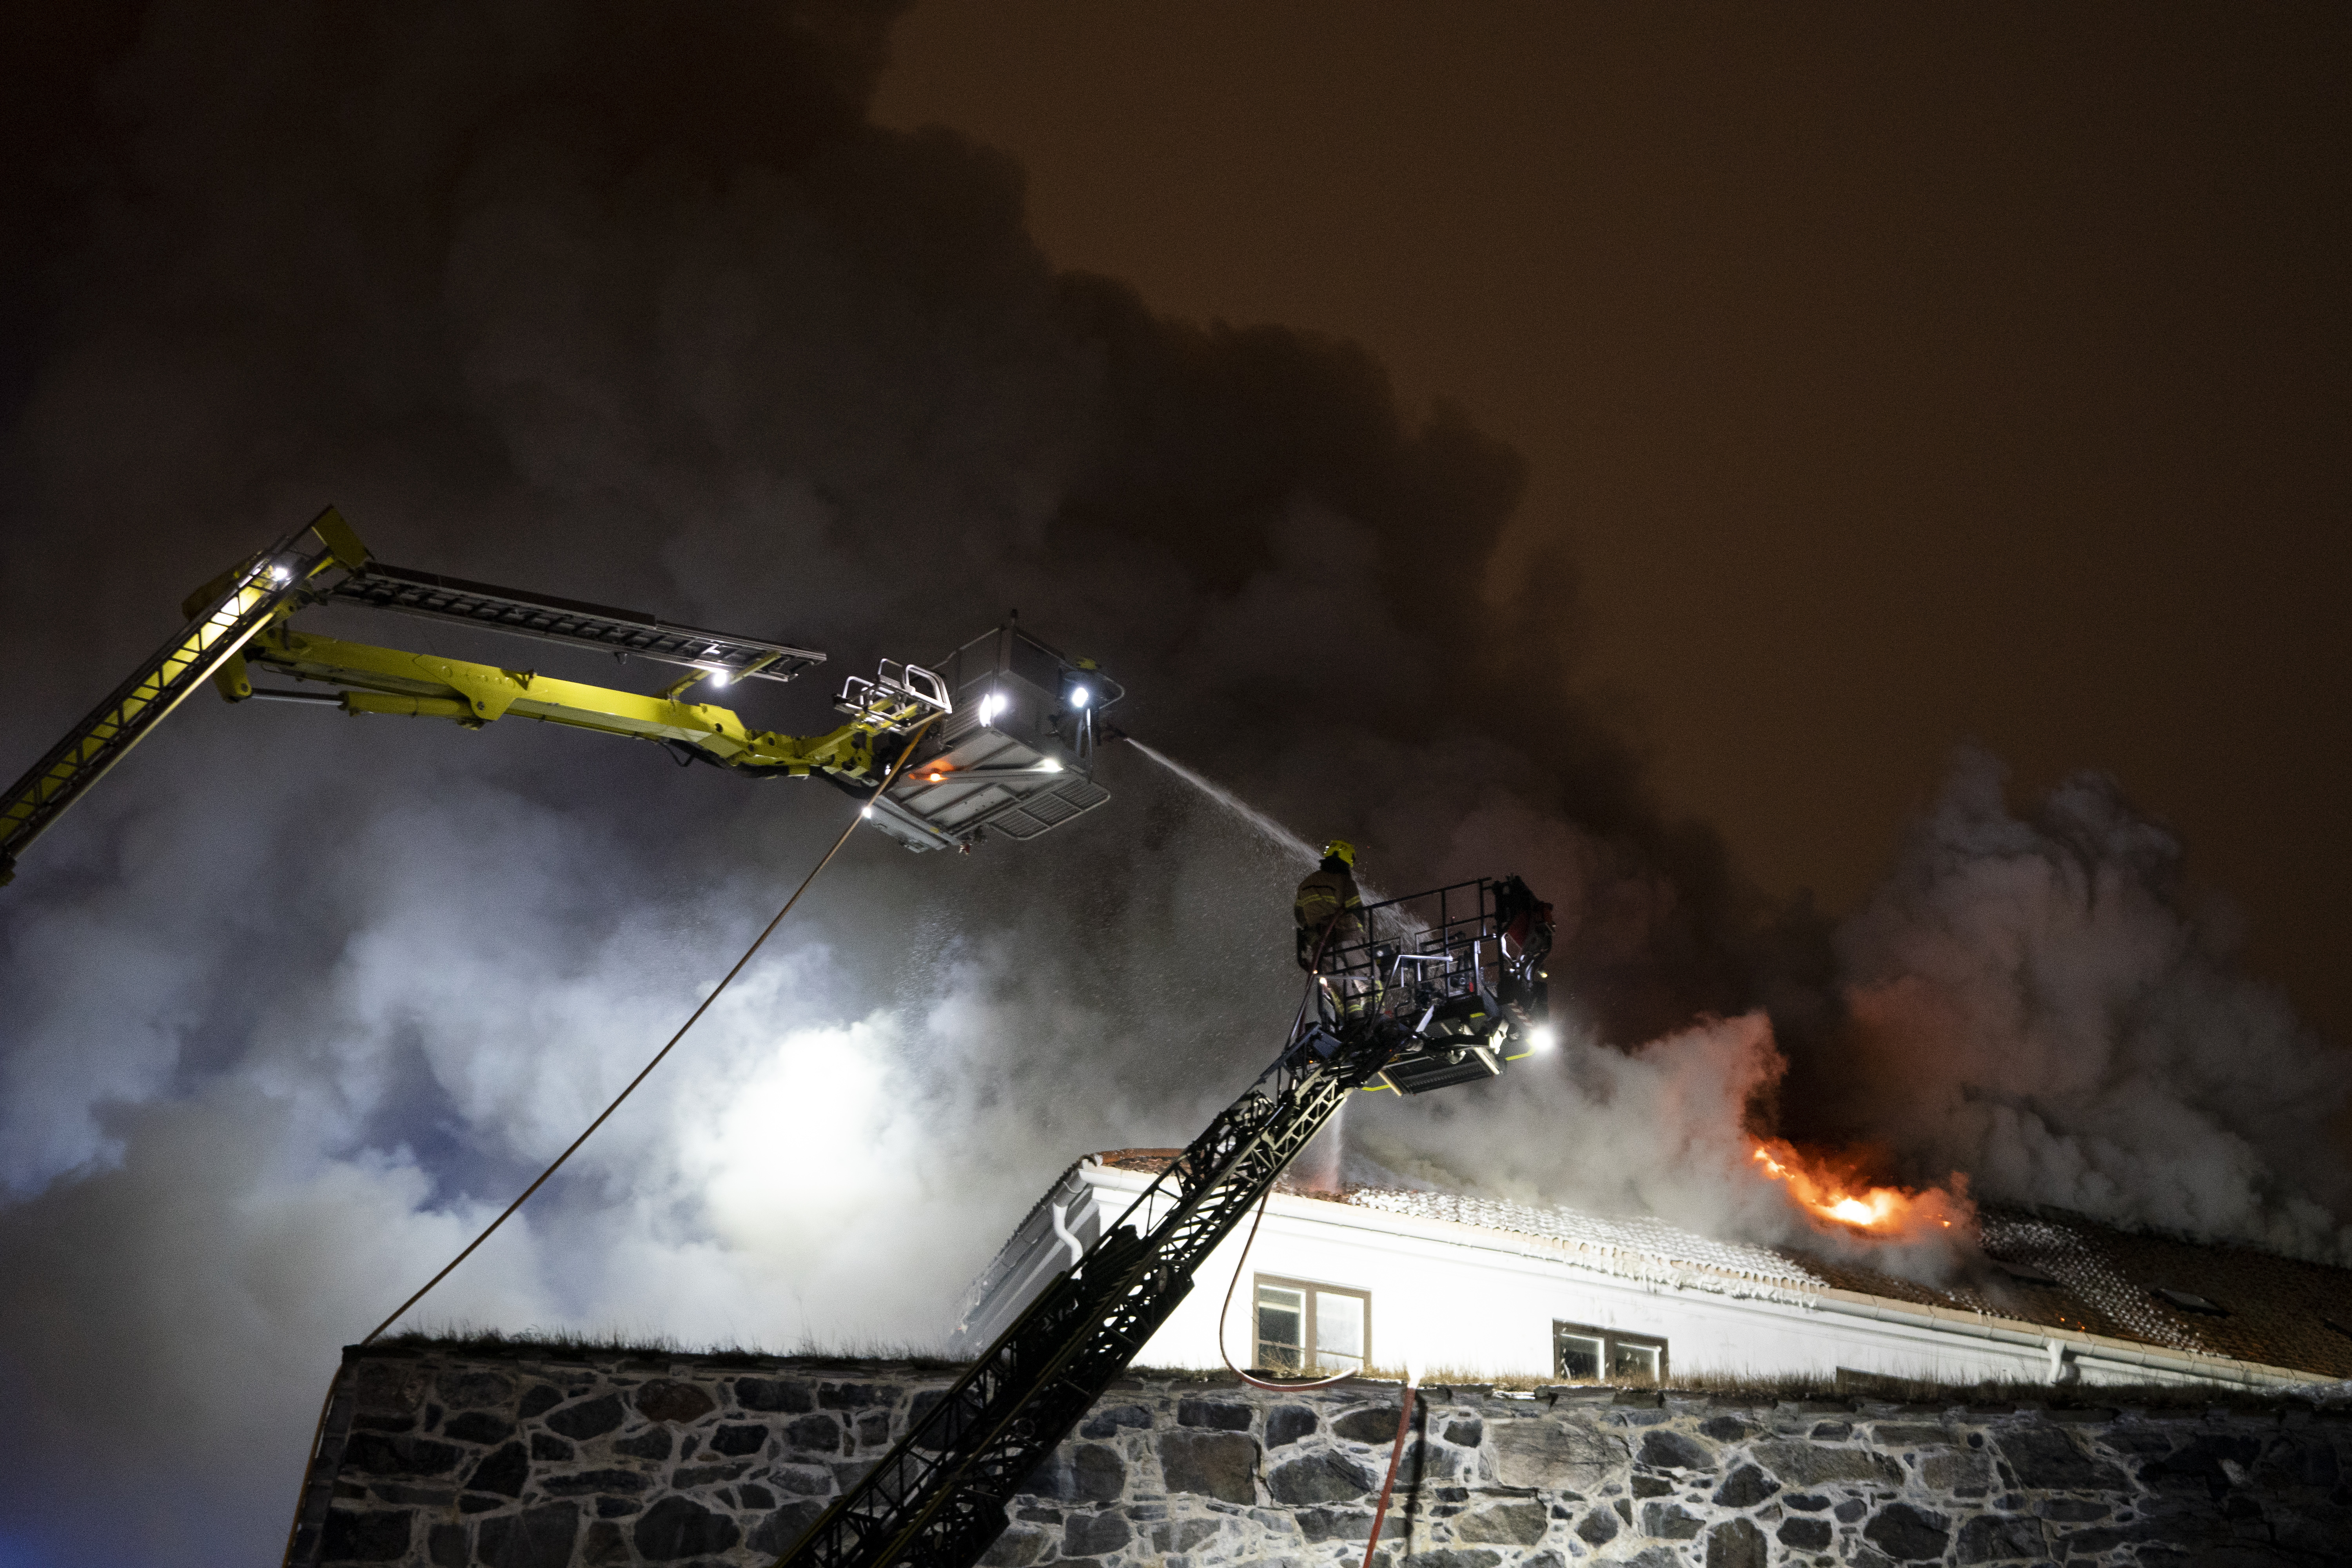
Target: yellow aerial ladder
<point>1008,748</point>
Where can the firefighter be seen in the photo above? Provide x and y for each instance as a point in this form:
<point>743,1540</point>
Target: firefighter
<point>1326,905</point>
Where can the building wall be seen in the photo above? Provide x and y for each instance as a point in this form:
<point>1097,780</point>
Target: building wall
<point>1473,1301</point>
<point>536,1460</point>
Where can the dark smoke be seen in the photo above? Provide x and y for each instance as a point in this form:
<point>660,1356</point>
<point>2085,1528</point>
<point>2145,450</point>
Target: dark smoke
<point>629,303</point>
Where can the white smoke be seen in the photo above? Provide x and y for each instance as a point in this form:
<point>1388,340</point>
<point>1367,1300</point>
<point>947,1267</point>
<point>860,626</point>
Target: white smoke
<point>2045,1003</point>
<point>628,304</point>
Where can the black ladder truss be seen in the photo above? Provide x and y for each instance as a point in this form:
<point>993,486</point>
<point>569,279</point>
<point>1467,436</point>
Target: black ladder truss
<point>937,1500</point>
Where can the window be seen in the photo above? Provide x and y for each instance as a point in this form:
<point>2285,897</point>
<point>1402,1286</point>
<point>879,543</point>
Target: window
<point>1579,1350</point>
<point>1317,1329</point>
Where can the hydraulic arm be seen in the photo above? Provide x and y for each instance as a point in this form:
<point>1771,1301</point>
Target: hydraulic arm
<point>937,1499</point>
<point>1018,763</point>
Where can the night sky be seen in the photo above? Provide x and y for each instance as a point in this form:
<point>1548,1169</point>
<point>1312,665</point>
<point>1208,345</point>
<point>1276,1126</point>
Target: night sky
<point>1849,502</point>
<point>1897,375</point>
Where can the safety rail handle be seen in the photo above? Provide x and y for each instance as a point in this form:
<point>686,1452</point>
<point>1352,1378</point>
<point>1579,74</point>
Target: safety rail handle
<point>257,587</point>
<point>938,1498</point>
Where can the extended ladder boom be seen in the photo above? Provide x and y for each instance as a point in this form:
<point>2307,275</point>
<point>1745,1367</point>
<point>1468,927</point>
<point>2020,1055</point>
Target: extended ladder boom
<point>222,622</point>
<point>1442,981</point>
<point>1018,763</point>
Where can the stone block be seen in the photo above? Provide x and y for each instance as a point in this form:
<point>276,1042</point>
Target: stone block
<point>688,1477</point>
<point>1953,1470</point>
<point>604,1547</point>
<point>2299,1461</point>
<point>677,1403</point>
<point>589,1418</point>
<point>1600,1527</point>
<point>1092,1534</point>
<point>375,1454</point>
<point>1335,1523</point>
<point>819,1433</point>
<point>2209,1462</point>
<point>461,1389</point>
<point>1990,1538</point>
<point>1909,1534</point>
<point>1805,1534</point>
<point>1736,1544</point>
<point>535,1538</point>
<point>478,1426</point>
<point>375,1536</point>
<point>1466,1432</point>
<point>780,1531</point>
<point>1545,1453</point>
<point>1802,1464</point>
<point>855,1395</point>
<point>1079,1472</point>
<point>387,1396</point>
<point>676,1527</point>
<point>1377,1425</point>
<point>446,1546</point>
<point>777,1396</point>
<point>1108,1421</point>
<point>502,1472</point>
<point>1222,1465</point>
<point>589,1483</point>
<point>1745,1488</point>
<point>808,1480</point>
<point>1328,1475</point>
<point>653,1443</point>
<point>1508,1523</point>
<point>1219,1414</point>
<point>739,1440</point>
<point>1669,1521</point>
<point>1478,1557</point>
<point>547,1450</point>
<point>2052,1459</point>
<point>1185,1534</point>
<point>543,1398</point>
<point>1887,1435</point>
<point>874,1429</point>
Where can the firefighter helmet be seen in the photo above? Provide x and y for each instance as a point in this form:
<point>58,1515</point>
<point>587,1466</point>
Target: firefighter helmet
<point>1339,849</point>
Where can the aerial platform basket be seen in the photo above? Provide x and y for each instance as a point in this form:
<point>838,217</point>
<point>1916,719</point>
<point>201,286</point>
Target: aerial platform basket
<point>1013,753</point>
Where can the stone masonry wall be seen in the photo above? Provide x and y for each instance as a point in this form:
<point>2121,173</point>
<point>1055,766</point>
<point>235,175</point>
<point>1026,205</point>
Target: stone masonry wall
<point>539,1461</point>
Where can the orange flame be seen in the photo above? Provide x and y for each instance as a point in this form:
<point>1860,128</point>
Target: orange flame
<point>1880,1210</point>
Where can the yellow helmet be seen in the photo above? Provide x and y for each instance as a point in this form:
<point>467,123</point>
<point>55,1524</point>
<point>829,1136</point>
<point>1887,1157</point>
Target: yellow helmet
<point>1341,850</point>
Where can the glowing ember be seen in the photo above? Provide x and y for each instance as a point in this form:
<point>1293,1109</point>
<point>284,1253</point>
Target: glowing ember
<point>1882,1211</point>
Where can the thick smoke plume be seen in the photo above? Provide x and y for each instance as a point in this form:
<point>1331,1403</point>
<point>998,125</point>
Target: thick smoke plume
<point>630,304</point>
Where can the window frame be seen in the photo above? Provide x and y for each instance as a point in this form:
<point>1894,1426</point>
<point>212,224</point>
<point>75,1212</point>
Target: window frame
<point>1308,1351</point>
<point>1610,1340</point>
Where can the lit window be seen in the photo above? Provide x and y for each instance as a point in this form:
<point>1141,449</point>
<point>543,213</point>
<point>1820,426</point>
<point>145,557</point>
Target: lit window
<point>1579,1350</point>
<point>1318,1328</point>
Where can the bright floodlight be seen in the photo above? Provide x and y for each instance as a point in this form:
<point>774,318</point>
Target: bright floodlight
<point>718,677</point>
<point>867,811</point>
<point>1079,696</point>
<point>1050,766</point>
<point>988,707</point>
<point>1540,1039</point>
<point>278,573</point>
